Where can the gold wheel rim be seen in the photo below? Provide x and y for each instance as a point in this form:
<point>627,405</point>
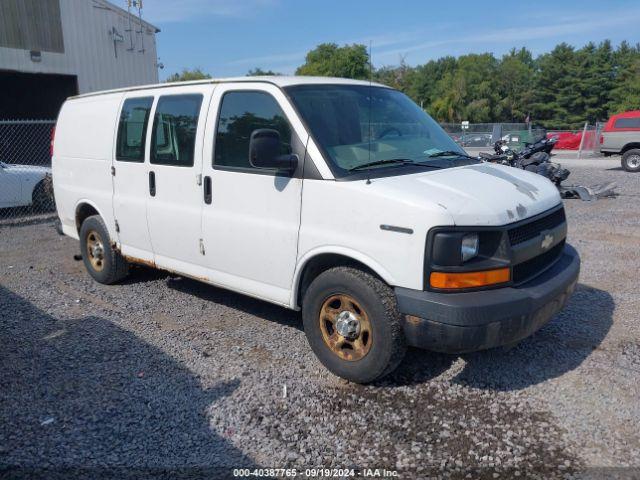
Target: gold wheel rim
<point>345,327</point>
<point>95,250</point>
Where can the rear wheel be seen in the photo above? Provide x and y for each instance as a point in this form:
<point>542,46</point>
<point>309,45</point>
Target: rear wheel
<point>353,325</point>
<point>42,197</point>
<point>102,261</point>
<point>631,160</point>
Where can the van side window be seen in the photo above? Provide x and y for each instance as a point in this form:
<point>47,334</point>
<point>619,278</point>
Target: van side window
<point>175,123</point>
<point>241,113</point>
<point>627,123</point>
<point>132,129</point>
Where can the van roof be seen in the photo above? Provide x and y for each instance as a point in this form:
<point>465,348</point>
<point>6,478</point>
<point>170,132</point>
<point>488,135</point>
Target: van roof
<point>280,81</point>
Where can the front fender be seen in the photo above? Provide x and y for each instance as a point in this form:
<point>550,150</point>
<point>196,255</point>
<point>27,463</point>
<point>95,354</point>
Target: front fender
<point>336,250</point>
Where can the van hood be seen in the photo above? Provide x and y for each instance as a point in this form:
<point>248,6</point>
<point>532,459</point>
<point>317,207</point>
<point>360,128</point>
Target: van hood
<point>482,194</point>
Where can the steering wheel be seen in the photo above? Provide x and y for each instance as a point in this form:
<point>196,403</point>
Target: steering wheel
<point>388,131</point>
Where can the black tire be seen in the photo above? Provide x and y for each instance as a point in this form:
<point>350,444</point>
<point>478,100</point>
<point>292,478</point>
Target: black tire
<point>42,197</point>
<point>540,157</point>
<point>112,266</point>
<point>631,160</point>
<point>387,341</point>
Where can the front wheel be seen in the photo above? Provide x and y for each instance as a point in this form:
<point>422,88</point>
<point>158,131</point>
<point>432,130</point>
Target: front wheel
<point>102,261</point>
<point>631,160</point>
<point>353,325</point>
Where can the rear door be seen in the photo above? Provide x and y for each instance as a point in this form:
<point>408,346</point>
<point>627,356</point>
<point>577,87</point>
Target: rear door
<point>174,189</point>
<point>130,166</point>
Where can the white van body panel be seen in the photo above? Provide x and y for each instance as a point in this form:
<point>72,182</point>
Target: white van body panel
<point>261,230</point>
<point>334,221</point>
<point>81,164</point>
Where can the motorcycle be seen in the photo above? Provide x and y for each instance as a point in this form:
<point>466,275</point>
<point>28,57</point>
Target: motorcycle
<point>536,157</point>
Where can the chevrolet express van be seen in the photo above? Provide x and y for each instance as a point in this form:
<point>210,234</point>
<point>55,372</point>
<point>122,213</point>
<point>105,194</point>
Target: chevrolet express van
<point>339,198</point>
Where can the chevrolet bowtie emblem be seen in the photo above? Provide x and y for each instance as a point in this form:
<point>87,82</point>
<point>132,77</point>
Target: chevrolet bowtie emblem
<point>546,241</point>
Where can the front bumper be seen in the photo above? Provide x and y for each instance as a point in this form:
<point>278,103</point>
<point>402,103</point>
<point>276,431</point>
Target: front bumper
<point>470,321</point>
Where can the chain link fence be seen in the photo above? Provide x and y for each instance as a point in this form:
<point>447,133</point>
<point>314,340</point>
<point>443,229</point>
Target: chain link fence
<point>26,189</point>
<point>585,141</point>
<point>480,135</point>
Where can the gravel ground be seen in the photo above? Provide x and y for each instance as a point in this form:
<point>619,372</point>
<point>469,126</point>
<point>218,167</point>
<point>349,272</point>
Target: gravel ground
<point>164,376</point>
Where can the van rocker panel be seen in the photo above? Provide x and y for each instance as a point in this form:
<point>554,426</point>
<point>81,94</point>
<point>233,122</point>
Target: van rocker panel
<point>470,321</point>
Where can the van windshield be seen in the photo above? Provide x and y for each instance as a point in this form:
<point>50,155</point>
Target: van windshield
<point>359,127</point>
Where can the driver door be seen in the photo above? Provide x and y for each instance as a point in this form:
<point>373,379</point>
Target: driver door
<point>251,216</point>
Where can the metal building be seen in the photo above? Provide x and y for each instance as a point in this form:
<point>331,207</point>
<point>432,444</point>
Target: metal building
<point>52,49</point>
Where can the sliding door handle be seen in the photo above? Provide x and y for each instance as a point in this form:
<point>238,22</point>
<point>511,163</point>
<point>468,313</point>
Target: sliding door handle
<point>207,190</point>
<point>152,184</point>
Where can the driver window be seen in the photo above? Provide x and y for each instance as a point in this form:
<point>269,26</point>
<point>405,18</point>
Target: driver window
<point>241,113</point>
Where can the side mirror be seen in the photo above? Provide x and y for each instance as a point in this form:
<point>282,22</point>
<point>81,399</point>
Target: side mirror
<point>264,151</point>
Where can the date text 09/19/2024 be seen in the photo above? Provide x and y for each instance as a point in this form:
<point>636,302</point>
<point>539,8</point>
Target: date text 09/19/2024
<point>315,473</point>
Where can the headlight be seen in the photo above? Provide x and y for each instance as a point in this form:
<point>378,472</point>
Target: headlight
<point>469,246</point>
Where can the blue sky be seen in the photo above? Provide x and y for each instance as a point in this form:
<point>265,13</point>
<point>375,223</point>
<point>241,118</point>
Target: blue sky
<point>226,37</point>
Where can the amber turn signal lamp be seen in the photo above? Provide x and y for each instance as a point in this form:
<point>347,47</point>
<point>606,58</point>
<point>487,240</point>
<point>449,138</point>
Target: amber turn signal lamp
<point>469,279</point>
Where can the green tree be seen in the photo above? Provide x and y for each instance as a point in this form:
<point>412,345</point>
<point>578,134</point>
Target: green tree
<point>187,75</point>
<point>258,72</point>
<point>515,83</point>
<point>594,81</point>
<point>626,72</point>
<point>424,80</point>
<point>330,60</point>
<point>400,77</point>
<point>556,92</point>
<point>626,96</point>
<point>468,92</point>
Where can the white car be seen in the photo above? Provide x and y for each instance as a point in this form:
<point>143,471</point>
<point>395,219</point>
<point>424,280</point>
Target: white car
<point>24,185</point>
<point>336,197</point>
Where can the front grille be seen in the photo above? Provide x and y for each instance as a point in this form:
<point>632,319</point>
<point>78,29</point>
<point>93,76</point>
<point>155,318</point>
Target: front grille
<point>532,229</point>
<point>532,267</point>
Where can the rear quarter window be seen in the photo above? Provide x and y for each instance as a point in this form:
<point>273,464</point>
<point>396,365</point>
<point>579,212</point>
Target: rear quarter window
<point>132,129</point>
<point>627,123</point>
<point>174,130</point>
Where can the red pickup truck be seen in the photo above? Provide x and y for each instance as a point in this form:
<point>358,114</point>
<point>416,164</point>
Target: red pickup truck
<point>621,135</point>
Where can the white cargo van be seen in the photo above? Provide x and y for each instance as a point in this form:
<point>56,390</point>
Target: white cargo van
<point>337,197</point>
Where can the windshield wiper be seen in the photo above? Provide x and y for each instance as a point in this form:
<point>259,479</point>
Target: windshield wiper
<point>450,153</point>
<point>400,161</point>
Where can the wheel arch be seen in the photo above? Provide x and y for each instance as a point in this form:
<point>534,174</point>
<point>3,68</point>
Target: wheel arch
<point>317,261</point>
<point>83,210</point>
<point>630,146</point>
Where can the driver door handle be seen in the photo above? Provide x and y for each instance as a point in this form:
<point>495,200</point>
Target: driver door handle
<point>208,194</point>
<point>152,184</point>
